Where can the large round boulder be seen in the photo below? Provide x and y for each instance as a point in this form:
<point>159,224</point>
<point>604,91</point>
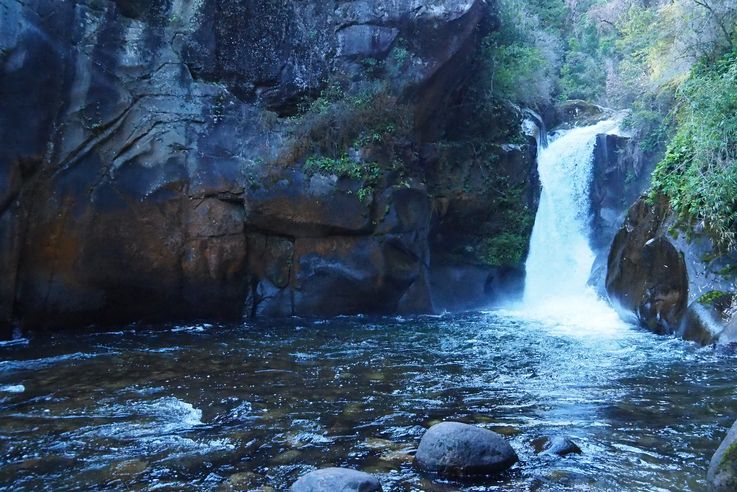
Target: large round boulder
<point>456,450</point>
<point>336,480</point>
<point>722,475</point>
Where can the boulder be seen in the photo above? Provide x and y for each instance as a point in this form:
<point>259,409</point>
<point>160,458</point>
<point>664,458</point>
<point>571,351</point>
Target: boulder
<point>453,449</point>
<point>576,112</point>
<point>647,280</point>
<point>707,318</point>
<point>360,274</point>
<point>722,474</point>
<point>336,480</point>
<point>557,445</point>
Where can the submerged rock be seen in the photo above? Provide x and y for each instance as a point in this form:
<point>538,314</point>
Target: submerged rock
<point>129,468</point>
<point>556,445</point>
<point>722,475</point>
<point>336,480</point>
<point>454,449</point>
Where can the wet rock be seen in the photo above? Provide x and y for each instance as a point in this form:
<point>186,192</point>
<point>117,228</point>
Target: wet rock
<point>707,319</point>
<point>576,112</point>
<point>467,217</point>
<point>287,457</point>
<point>621,173</point>
<point>454,449</point>
<point>362,274</point>
<point>243,481</point>
<point>722,474</point>
<point>647,280</point>
<point>557,445</point>
<point>336,480</point>
<point>298,205</point>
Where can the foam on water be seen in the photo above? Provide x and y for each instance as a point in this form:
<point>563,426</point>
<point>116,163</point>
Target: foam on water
<point>12,388</point>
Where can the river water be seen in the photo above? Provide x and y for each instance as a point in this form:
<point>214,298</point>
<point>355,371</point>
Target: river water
<point>238,407</point>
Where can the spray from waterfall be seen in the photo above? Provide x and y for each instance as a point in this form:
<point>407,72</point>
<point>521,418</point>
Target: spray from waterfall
<point>560,259</point>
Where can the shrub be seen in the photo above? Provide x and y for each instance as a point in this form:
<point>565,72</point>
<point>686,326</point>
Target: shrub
<point>345,167</point>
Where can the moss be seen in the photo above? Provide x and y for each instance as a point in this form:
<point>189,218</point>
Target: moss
<point>712,296</point>
<point>510,246</point>
<point>505,250</point>
<point>345,167</point>
<point>728,271</point>
<point>729,458</point>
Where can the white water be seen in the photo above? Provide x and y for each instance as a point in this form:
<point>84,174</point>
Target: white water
<point>560,259</point>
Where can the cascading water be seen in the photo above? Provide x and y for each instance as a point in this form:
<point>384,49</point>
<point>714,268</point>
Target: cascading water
<point>560,259</point>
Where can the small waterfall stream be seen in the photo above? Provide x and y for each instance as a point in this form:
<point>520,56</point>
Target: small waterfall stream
<point>560,259</point>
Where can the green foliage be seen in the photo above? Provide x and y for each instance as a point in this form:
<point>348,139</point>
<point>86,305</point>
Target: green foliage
<point>400,55</point>
<point>712,296</point>
<point>521,57</point>
<point>340,123</point>
<point>505,250</point>
<point>509,247</point>
<point>339,120</point>
<point>582,75</point>
<point>368,173</point>
<point>699,171</point>
<point>515,64</point>
<point>728,271</point>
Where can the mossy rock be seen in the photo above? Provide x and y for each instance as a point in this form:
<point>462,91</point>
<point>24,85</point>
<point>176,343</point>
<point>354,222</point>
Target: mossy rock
<point>722,475</point>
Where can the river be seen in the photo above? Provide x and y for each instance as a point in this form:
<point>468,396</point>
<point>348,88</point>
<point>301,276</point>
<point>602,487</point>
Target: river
<point>205,407</point>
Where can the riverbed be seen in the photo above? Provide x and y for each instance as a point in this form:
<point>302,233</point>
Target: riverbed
<point>211,407</point>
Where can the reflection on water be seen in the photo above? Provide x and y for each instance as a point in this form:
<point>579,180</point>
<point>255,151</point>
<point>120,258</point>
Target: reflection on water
<point>244,407</point>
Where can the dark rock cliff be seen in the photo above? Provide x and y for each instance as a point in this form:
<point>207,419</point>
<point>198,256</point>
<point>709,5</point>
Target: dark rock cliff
<point>670,281</point>
<point>621,173</point>
<point>183,159</point>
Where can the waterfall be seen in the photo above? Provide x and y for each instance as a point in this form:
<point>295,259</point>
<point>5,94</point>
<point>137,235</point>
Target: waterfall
<point>560,259</point>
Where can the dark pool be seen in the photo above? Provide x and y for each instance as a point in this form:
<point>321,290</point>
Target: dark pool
<point>254,406</point>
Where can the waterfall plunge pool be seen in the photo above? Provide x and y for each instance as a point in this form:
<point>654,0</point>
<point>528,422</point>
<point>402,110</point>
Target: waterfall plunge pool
<point>241,407</point>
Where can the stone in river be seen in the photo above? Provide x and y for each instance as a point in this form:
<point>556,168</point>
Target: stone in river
<point>557,445</point>
<point>454,449</point>
<point>336,480</point>
<point>722,475</point>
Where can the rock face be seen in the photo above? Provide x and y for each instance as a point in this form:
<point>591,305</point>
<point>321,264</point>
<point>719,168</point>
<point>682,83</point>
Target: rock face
<point>154,157</point>
<point>646,276</point>
<point>453,449</point>
<point>621,173</point>
<point>722,475</point>
<point>485,199</point>
<point>336,480</point>
<point>671,283</point>
<point>707,319</point>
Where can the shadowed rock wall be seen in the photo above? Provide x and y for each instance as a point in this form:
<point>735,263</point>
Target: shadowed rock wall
<point>153,158</point>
